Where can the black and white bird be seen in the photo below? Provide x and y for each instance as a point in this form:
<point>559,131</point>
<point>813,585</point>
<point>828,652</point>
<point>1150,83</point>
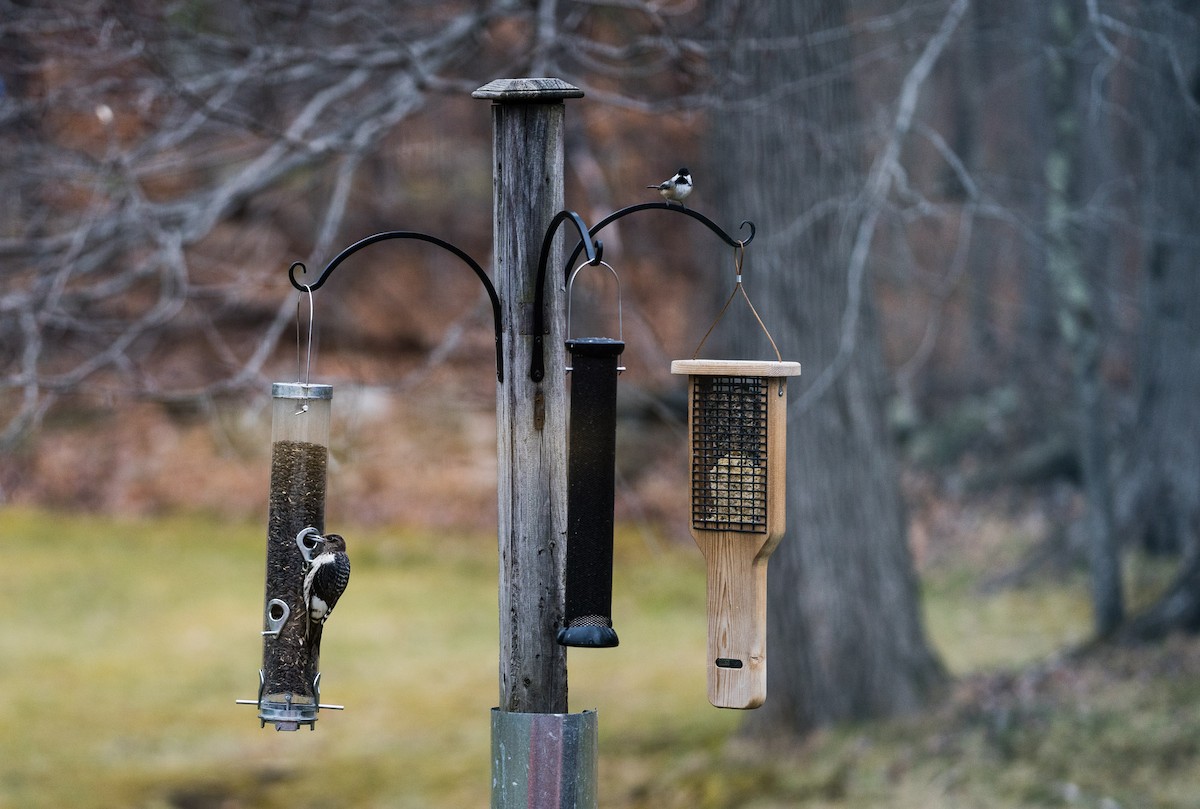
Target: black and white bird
<point>324,584</point>
<point>675,189</point>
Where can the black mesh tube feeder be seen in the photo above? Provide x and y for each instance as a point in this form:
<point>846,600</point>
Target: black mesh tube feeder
<point>591,483</point>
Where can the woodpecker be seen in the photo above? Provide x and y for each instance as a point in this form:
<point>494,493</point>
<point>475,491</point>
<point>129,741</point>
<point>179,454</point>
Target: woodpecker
<point>676,188</point>
<point>324,584</point>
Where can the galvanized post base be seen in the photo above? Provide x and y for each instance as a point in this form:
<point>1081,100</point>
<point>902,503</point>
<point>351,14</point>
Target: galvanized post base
<point>543,761</point>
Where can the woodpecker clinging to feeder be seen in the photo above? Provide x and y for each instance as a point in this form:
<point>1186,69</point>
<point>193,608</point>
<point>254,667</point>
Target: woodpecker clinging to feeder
<point>676,188</point>
<point>324,583</point>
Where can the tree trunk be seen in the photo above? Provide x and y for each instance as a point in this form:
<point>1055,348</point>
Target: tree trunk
<point>1078,316</point>
<point>1163,479</point>
<point>845,636</point>
<point>971,63</point>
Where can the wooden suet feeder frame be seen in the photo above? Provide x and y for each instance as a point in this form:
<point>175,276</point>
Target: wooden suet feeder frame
<point>738,432</point>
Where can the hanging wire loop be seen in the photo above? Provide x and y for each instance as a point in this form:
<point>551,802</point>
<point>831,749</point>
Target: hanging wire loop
<point>617,278</point>
<point>739,258</point>
<point>424,237</point>
<point>595,253</point>
<point>306,367</point>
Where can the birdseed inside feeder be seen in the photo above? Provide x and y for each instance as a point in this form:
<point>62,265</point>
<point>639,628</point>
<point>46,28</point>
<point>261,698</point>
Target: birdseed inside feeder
<point>737,426</point>
<point>296,516</point>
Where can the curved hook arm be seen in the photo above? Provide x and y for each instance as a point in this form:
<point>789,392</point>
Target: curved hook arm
<point>594,250</point>
<point>424,237</point>
<point>665,206</point>
<point>537,364</point>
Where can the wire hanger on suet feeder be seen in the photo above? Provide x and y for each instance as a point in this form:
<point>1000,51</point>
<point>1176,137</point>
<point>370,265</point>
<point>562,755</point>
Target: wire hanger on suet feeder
<point>737,429</point>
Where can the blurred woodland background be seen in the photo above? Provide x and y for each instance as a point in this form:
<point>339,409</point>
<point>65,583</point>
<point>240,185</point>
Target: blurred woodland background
<point>976,231</point>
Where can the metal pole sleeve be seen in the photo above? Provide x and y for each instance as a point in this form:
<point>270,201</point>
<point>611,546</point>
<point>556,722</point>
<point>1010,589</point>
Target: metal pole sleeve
<point>543,761</point>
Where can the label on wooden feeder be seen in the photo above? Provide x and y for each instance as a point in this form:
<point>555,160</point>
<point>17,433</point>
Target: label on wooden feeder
<point>737,427</point>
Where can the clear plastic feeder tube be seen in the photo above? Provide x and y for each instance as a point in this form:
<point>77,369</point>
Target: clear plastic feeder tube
<point>299,454</point>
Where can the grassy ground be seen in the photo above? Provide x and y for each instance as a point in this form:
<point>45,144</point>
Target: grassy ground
<point>123,646</point>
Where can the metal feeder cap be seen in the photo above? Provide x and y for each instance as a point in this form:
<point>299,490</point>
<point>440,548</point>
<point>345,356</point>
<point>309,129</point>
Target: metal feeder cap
<point>296,390</point>
<point>595,346</point>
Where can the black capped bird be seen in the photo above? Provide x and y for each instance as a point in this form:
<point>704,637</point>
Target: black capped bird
<point>324,584</point>
<point>675,189</point>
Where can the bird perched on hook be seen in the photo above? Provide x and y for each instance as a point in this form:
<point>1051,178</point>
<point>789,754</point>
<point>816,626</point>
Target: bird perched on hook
<point>324,584</point>
<point>675,189</point>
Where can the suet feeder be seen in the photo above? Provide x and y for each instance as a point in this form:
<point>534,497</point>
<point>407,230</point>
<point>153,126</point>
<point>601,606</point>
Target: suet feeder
<point>290,677</point>
<point>737,426</point>
<point>591,477</point>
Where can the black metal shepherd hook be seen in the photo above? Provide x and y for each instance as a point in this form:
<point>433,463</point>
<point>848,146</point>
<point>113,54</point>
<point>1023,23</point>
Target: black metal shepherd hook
<point>424,237</point>
<point>595,251</point>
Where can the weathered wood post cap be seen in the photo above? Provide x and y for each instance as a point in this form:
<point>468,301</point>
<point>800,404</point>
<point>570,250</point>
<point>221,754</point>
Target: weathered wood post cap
<point>527,91</point>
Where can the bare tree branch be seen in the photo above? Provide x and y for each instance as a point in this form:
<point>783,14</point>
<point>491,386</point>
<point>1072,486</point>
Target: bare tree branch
<point>884,171</point>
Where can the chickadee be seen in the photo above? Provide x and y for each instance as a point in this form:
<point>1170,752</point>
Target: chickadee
<point>676,188</point>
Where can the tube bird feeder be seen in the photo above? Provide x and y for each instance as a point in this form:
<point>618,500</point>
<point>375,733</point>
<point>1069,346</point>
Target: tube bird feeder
<point>737,426</point>
<point>591,483</point>
<point>290,677</point>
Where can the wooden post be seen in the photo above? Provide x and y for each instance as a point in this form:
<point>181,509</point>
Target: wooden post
<point>527,191</point>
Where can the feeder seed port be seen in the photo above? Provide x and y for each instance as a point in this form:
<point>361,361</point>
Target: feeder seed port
<point>307,541</point>
<point>277,615</point>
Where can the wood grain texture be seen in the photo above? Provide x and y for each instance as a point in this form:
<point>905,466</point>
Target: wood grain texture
<point>527,130</point>
<point>532,90</point>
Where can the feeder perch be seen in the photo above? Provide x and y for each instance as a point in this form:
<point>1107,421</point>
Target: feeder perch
<point>290,676</point>
<point>737,426</point>
<point>591,479</point>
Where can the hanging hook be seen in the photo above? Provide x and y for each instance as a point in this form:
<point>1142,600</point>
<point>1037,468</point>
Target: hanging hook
<point>425,237</point>
<point>663,206</point>
<point>594,251</point>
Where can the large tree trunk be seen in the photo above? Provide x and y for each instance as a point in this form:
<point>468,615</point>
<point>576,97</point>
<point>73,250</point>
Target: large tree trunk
<point>845,636</point>
<point>1067,166</point>
<point>1163,480</point>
